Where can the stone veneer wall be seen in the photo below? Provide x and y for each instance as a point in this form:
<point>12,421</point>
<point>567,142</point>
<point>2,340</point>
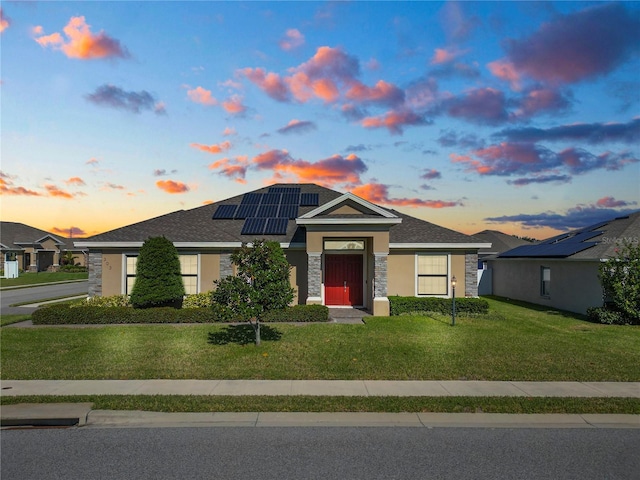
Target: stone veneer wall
<point>95,274</point>
<point>226,267</point>
<point>315,275</point>
<point>471,274</point>
<point>380,276</point>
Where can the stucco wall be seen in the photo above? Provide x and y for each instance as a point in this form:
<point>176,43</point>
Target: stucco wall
<point>401,270</point>
<point>298,277</point>
<point>209,271</point>
<point>574,284</point>
<point>112,274</point>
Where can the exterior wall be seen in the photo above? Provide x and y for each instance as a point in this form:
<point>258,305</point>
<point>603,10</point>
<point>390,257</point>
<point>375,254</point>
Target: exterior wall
<point>574,284</point>
<point>344,210</point>
<point>209,271</point>
<point>298,261</point>
<point>401,271</point>
<point>95,274</point>
<point>112,274</point>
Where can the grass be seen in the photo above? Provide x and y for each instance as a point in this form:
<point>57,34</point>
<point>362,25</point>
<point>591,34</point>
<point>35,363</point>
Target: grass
<point>513,343</point>
<point>30,278</point>
<point>9,319</point>
<point>204,403</point>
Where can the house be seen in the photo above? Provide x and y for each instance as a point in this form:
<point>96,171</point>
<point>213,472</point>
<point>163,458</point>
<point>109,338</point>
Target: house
<point>500,242</point>
<point>35,250</point>
<point>344,250</point>
<point>562,271</point>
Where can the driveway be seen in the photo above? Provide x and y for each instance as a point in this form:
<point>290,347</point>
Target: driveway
<point>37,293</point>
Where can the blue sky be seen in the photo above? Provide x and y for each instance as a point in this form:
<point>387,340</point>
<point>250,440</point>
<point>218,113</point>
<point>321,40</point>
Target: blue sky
<point>516,116</point>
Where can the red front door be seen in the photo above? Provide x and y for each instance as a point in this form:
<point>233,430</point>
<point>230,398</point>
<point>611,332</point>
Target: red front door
<point>343,280</point>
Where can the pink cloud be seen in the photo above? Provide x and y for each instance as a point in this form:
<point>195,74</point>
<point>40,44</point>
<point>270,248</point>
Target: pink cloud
<point>479,105</point>
<point>297,126</point>
<point>70,232</point>
<point>228,131</point>
<point>379,193</point>
<point>610,202</point>
<point>7,188</point>
<point>506,71</point>
<point>235,169</point>
<point>541,100</point>
<point>82,44</point>
<point>5,21</point>
<point>383,92</point>
<point>443,56</point>
<point>202,96</point>
<point>75,181</point>
<point>92,161</point>
<point>394,121</point>
<point>577,46</point>
<point>271,83</point>
<point>292,39</point>
<point>215,148</point>
<point>171,186</point>
<point>234,105</point>
<point>54,191</point>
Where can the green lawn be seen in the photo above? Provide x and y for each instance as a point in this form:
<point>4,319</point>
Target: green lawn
<point>41,277</point>
<point>511,343</point>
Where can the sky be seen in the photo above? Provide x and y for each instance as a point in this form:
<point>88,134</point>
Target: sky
<point>522,117</point>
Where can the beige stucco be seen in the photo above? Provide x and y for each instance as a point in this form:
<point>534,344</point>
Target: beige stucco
<point>344,210</point>
<point>574,284</point>
<point>209,271</point>
<point>402,271</point>
<point>379,239</point>
<point>298,276</point>
<point>112,274</point>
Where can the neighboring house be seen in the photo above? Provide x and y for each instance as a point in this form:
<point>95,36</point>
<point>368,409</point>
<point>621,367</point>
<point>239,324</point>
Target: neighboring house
<point>500,242</point>
<point>35,250</point>
<point>562,272</point>
<point>344,251</point>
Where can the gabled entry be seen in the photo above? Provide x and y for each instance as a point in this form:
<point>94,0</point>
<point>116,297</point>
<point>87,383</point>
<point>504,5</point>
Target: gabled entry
<point>343,280</point>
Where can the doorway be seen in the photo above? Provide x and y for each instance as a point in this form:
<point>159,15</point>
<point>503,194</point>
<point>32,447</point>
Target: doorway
<point>343,280</point>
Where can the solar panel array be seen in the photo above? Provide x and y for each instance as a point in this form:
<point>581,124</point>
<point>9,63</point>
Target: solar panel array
<point>268,213</point>
<point>561,246</point>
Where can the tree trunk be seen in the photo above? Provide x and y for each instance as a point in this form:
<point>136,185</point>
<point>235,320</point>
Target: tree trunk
<point>257,329</point>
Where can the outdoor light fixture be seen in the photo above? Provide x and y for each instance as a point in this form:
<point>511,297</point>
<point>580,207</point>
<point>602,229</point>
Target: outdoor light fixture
<point>453,303</point>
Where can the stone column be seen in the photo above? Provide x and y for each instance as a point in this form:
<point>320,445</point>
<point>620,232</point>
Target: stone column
<point>380,300</point>
<point>314,277</point>
<point>226,267</point>
<point>471,274</point>
<point>95,274</point>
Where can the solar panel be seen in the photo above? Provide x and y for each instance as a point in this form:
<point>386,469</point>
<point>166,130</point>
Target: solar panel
<point>276,226</point>
<point>251,198</point>
<point>225,211</point>
<point>253,226</point>
<point>288,211</point>
<point>561,250</point>
<point>267,211</point>
<point>581,237</point>
<point>291,199</point>
<point>271,198</point>
<point>245,211</point>
<point>284,189</point>
<point>309,200</point>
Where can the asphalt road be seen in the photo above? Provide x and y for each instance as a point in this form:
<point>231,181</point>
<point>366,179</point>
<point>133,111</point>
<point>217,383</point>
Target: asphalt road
<point>320,453</point>
<point>34,294</point>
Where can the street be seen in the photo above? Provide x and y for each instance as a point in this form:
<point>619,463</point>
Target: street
<point>41,292</point>
<point>284,453</point>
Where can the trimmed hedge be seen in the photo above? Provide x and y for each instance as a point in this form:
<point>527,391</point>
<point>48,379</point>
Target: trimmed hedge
<point>65,314</point>
<point>405,305</point>
<point>298,313</point>
<point>609,317</point>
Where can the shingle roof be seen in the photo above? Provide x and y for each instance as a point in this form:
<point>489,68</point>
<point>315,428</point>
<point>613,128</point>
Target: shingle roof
<point>500,242</point>
<point>197,225</point>
<point>15,236</point>
<point>595,242</point>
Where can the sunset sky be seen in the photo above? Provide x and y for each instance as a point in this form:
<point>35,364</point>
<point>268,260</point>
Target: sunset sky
<point>522,117</point>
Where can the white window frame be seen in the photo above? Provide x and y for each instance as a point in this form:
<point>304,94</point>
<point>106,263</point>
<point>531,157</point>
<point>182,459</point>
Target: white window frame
<point>545,285</point>
<point>127,276</point>
<point>418,275</point>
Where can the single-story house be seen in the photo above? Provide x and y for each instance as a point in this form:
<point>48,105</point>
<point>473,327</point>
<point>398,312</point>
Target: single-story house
<point>35,250</point>
<point>562,271</point>
<point>344,250</point>
<point>500,242</point>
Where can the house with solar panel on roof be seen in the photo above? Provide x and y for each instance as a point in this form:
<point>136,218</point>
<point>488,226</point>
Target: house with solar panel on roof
<point>562,272</point>
<point>344,251</point>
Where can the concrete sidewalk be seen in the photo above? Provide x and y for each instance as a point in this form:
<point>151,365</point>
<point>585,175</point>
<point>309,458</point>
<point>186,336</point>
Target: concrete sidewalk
<point>364,388</point>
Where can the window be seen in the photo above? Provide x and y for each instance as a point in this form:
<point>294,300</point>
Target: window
<point>545,281</point>
<point>344,244</point>
<point>433,274</point>
<point>188,267</point>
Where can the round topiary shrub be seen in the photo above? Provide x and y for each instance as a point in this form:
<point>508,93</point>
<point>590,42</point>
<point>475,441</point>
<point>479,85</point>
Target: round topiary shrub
<point>158,276</point>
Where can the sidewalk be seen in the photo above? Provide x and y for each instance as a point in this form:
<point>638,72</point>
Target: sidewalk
<point>81,414</point>
<point>364,388</point>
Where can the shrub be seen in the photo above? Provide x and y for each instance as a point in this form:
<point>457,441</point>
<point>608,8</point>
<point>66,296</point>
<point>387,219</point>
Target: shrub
<point>198,300</point>
<point>73,269</point>
<point>604,315</point>
<point>64,314</point>
<point>620,278</point>
<point>112,301</point>
<point>158,276</point>
<point>298,313</point>
<point>403,305</point>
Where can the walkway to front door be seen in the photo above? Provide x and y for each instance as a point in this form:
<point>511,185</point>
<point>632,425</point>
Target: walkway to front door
<point>343,280</point>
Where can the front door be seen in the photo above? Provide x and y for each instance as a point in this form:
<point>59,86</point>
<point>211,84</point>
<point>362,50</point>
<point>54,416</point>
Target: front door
<point>343,280</point>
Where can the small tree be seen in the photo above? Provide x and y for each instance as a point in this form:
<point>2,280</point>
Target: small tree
<point>158,276</point>
<point>261,284</point>
<point>620,278</point>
